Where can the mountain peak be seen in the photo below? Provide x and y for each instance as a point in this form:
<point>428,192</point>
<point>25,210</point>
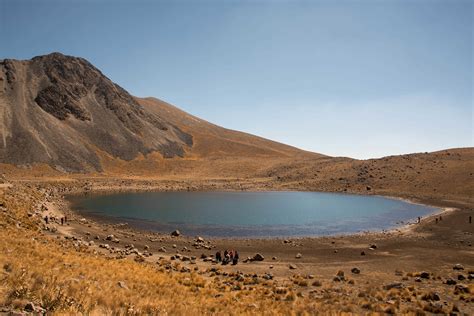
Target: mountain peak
<point>56,100</point>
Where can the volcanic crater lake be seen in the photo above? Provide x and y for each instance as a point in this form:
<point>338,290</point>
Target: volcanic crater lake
<point>250,214</point>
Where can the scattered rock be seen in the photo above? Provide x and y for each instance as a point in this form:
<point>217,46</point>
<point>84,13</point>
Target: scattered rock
<point>281,290</point>
<point>292,267</point>
<point>424,275</point>
<point>257,257</point>
<point>8,267</point>
<point>458,266</point>
<point>430,296</point>
<point>317,283</point>
<point>394,285</point>
<point>339,276</point>
<point>451,282</point>
<point>268,276</point>
<point>362,253</point>
<point>298,256</point>
<point>461,288</point>
<point>434,308</point>
<point>175,233</point>
<point>30,307</point>
<point>122,285</point>
<point>355,270</point>
<point>373,247</point>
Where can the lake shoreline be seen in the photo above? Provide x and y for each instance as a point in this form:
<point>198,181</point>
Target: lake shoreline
<point>159,227</point>
<point>404,228</point>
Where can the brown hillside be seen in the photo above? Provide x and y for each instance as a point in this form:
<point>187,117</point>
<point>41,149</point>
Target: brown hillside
<point>211,140</point>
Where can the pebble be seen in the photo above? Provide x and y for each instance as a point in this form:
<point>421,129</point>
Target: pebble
<point>30,307</point>
<point>355,270</point>
<point>394,285</point>
<point>461,288</point>
<point>451,282</point>
<point>458,266</point>
<point>431,296</point>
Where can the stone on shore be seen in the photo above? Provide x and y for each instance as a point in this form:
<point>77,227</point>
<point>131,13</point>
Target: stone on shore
<point>257,257</point>
<point>458,266</point>
<point>394,285</point>
<point>355,270</point>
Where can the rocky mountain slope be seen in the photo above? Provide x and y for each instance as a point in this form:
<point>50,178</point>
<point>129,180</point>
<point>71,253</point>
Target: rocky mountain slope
<point>62,111</point>
<point>211,140</point>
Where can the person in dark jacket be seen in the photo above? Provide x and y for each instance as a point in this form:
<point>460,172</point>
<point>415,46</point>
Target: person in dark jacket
<point>218,256</point>
<point>236,258</point>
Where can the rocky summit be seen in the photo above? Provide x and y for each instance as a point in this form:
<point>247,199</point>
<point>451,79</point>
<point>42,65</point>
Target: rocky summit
<point>62,111</point>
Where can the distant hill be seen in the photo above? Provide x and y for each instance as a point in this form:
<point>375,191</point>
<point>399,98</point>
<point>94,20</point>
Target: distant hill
<point>62,111</point>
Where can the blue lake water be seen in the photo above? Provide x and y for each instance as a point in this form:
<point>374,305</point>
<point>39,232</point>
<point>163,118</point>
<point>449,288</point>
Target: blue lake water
<point>250,214</point>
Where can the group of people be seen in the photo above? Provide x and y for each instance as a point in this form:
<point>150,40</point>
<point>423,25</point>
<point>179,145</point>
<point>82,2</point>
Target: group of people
<point>48,219</point>
<point>229,256</point>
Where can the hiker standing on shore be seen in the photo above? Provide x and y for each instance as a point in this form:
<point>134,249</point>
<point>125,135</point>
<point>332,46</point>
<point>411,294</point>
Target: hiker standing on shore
<point>236,258</point>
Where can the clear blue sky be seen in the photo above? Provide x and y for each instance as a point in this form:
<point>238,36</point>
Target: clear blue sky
<point>350,78</point>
